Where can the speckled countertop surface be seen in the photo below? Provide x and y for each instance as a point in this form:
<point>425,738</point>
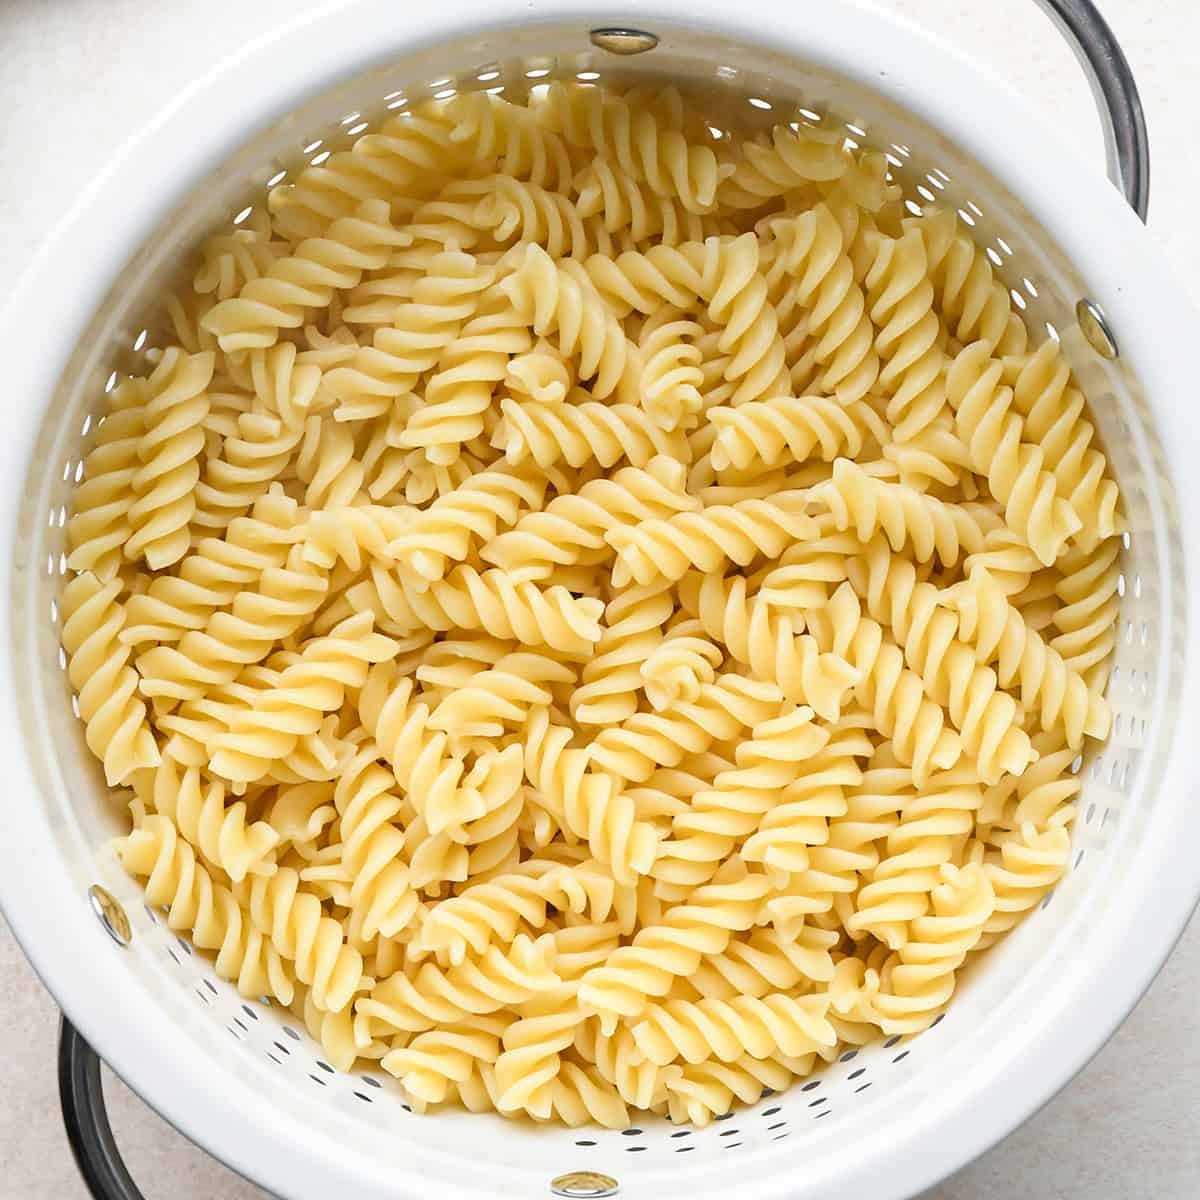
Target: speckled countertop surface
<point>77,75</point>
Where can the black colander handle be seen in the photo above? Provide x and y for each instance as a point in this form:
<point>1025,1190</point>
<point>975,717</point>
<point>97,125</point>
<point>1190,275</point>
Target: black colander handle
<point>1126,143</point>
<point>86,1119</point>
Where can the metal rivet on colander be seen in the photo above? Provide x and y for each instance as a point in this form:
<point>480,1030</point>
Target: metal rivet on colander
<point>111,915</point>
<point>1094,326</point>
<point>623,41</point>
<point>584,1185</point>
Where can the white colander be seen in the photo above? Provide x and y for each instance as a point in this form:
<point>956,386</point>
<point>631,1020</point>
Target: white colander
<point>244,1081</point>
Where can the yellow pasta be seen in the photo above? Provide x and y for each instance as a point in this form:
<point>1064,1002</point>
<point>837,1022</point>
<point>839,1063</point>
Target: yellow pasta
<point>594,616</point>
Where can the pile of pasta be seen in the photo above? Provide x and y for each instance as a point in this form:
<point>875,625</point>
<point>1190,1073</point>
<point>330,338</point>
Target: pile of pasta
<point>594,613</point>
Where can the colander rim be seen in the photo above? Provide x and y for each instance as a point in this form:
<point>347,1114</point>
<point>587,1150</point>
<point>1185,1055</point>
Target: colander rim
<point>206,122</point>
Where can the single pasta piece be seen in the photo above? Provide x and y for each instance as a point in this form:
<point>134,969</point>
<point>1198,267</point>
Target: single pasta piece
<point>792,429</point>
<point>817,287</point>
<point>573,527</point>
<point>1053,409</point>
<point>669,547</point>
<point>459,393</point>
<point>726,1030</point>
<point>1015,468</point>
<point>868,505</point>
<point>99,669</point>
<point>164,487</point>
<point>926,630</point>
<point>581,431</point>
<point>988,621</point>
<point>306,279</point>
<point>785,161</point>
<point>452,525</point>
<point>99,526</point>
<point>542,374</point>
<point>634,139</point>
<point>670,380</point>
<point>204,909</point>
<point>491,600</point>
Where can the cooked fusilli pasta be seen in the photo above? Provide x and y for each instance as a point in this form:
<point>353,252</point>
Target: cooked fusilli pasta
<point>594,611</point>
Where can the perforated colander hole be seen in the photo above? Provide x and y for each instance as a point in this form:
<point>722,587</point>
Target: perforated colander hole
<point>237,1033</point>
<point>325,1066</point>
<point>892,1041</point>
<point>684,1149</point>
<point>361,1096</point>
<point>1046,901</point>
<point>277,1061</point>
<point>151,914</point>
<point>282,1048</point>
<point>856,1074</point>
<point>634,1149</point>
<point>174,957</point>
<point>728,1133</point>
<point>212,987</point>
<point>862,1087</point>
<point>1091,812</point>
<point>901,1056</point>
<point>249,1012</point>
<point>811,1085</point>
<point>823,1113</point>
<point>938,1020</point>
<point>187,950</point>
<point>203,997</point>
<point>769,1112</point>
<point>1078,860</point>
<point>318,1079</point>
<point>682,1133</point>
<point>777,1125</point>
<point>733,1145</point>
<point>371,1081</point>
<point>849,1056</point>
<point>291,1033</point>
<point>585,1142</point>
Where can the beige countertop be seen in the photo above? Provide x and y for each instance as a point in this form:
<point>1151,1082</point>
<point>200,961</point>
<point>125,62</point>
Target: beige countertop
<point>77,75</point>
